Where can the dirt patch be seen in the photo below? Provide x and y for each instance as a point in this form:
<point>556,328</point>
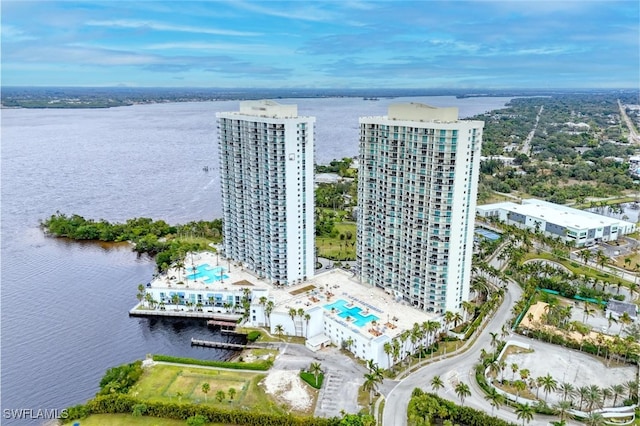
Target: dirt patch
<point>286,386</point>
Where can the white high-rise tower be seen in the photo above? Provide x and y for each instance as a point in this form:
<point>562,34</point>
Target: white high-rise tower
<point>266,172</point>
<point>417,187</point>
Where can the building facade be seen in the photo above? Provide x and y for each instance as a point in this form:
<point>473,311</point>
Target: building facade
<point>266,172</point>
<point>417,187</point>
<point>578,227</point>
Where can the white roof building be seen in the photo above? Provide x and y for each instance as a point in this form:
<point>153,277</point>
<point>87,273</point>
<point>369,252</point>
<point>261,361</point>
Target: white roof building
<point>582,227</point>
<point>339,308</point>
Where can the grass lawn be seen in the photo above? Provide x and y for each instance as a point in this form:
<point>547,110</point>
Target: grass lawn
<point>336,249</point>
<point>171,383</point>
<point>129,420</point>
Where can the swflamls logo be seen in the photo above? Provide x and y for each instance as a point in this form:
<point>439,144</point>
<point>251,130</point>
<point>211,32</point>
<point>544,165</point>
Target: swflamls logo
<point>34,414</point>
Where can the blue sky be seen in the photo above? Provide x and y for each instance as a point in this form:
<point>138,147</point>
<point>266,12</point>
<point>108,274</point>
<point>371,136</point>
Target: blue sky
<point>322,44</point>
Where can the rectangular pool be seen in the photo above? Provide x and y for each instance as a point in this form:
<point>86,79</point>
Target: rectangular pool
<point>353,312</point>
<point>209,274</point>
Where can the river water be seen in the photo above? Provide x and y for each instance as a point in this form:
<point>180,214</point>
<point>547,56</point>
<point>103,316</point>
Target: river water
<point>64,305</point>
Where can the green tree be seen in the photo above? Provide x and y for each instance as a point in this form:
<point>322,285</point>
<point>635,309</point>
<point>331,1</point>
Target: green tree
<point>232,393</point>
<point>220,395</point>
<point>370,385</point>
<point>279,330</point>
<point>436,384</point>
<point>524,412</point>
<point>205,390</point>
<point>463,391</point>
<point>316,370</point>
<point>548,384</point>
<point>495,398</point>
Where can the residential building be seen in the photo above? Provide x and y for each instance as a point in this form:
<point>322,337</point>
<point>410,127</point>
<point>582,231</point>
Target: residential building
<point>266,172</point>
<point>580,227</point>
<point>417,187</point>
<point>331,308</point>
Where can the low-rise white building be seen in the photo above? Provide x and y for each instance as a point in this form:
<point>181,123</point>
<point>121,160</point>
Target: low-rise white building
<point>582,227</point>
<point>332,308</point>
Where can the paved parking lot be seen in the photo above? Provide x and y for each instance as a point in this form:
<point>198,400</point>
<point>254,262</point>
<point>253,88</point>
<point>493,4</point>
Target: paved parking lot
<point>566,365</point>
<point>343,377</point>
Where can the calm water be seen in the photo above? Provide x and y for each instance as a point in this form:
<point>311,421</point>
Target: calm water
<point>64,305</point>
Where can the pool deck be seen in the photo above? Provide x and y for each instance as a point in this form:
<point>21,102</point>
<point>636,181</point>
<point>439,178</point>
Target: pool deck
<point>330,286</point>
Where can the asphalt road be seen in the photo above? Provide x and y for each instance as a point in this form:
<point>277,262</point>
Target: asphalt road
<point>453,370</point>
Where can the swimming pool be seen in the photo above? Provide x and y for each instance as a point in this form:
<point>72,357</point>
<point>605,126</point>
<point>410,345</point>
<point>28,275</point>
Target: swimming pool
<point>360,320</point>
<point>483,232</point>
<point>210,274</point>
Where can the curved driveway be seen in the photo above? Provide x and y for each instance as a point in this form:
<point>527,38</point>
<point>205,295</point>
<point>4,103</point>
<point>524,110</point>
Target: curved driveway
<point>456,369</point>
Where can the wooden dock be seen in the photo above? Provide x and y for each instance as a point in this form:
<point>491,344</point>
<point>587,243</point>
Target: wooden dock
<point>213,323</point>
<point>222,345</point>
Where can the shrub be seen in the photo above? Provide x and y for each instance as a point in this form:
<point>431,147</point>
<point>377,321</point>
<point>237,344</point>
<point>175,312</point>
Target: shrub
<point>139,410</point>
<point>197,420</point>
<point>120,379</point>
<point>253,336</point>
<point>310,379</point>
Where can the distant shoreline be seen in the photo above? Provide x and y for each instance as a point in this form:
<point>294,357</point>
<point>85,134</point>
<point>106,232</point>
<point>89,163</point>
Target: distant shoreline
<point>110,97</point>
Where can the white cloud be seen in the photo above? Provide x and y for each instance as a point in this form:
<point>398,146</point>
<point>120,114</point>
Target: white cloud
<point>10,33</point>
<point>304,13</point>
<point>159,26</point>
<point>254,49</point>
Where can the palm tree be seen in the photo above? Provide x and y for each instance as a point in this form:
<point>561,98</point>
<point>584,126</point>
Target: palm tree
<point>457,317</point>
<point>520,386</point>
<point>468,308</point>
<point>494,367</point>
<point>503,366</point>
<point>306,317</point>
<point>436,383</point>
<point>268,309</point>
<point>348,343</point>
<point>448,319</point>
<point>524,412</point>
<point>232,393</point>
<point>140,294</point>
<point>595,419</point>
<point>514,369</point>
<point>263,302</point>
<point>388,349</point>
<point>370,385</point>
<point>316,370</point>
<point>582,392</point>
<point>279,331</point>
<point>205,390</point>
<point>594,397</point>
<point>463,391</point>
<point>220,395</point>
<point>616,391</point>
<point>548,384</point>
<point>495,399</point>
<point>566,390</point>
<point>561,408</point>
<point>494,340</point>
<point>293,313</point>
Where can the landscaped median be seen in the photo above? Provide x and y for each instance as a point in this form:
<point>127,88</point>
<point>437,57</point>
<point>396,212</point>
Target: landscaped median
<point>181,389</point>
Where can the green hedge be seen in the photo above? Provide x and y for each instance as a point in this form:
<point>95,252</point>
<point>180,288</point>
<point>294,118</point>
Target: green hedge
<point>258,366</point>
<point>311,379</point>
<point>120,403</point>
<point>253,336</point>
<point>426,408</point>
